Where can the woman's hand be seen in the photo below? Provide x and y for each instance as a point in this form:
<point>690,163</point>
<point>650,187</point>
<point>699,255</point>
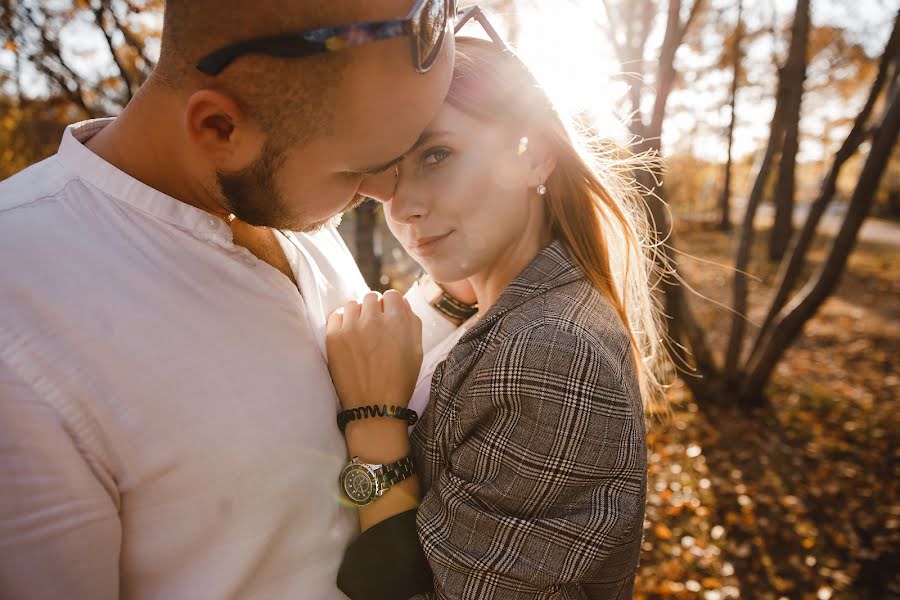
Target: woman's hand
<point>374,350</point>
<point>375,353</point>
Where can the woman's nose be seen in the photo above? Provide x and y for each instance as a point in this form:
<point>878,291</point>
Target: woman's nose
<point>408,204</point>
<point>380,186</point>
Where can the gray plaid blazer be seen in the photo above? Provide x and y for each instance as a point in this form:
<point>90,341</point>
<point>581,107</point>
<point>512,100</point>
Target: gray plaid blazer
<point>532,451</point>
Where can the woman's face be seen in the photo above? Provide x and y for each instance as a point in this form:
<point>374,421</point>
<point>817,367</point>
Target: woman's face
<point>464,202</point>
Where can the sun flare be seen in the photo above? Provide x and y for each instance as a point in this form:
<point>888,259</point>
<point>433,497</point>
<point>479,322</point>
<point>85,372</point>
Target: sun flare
<point>566,49</point>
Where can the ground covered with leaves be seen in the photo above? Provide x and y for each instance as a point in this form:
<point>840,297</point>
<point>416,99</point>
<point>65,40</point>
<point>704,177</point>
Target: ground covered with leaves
<point>801,500</point>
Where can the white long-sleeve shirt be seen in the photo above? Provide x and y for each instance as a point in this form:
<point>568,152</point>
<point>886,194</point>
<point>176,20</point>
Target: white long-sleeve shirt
<point>167,419</point>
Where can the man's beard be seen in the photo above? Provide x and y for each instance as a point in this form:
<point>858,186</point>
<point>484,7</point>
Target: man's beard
<point>252,195</point>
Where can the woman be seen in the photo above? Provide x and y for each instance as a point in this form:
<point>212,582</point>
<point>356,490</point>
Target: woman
<point>531,448</point>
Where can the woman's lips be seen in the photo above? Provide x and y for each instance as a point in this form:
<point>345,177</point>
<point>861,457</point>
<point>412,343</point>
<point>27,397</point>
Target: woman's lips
<point>428,245</point>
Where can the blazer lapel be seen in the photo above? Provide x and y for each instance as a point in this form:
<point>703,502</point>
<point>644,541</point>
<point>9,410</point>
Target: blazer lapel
<point>550,269</point>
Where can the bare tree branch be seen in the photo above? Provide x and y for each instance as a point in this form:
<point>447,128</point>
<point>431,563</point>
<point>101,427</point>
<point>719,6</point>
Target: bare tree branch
<point>130,38</point>
<point>615,26</point>
<point>725,199</point>
<point>666,74</point>
<point>68,81</point>
<point>695,10</point>
<point>123,70</point>
<point>795,73</point>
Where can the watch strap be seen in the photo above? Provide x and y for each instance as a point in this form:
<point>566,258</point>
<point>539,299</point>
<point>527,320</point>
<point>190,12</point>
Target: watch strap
<point>396,472</point>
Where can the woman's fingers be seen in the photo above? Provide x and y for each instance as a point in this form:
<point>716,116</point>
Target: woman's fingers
<point>393,302</point>
<point>374,350</point>
<point>335,321</point>
<point>351,312</point>
<point>371,304</point>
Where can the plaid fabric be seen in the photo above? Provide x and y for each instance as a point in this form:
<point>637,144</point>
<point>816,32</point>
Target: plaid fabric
<point>532,450</point>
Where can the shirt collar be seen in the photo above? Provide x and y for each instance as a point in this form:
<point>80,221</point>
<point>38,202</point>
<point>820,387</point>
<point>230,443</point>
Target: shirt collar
<point>122,187</point>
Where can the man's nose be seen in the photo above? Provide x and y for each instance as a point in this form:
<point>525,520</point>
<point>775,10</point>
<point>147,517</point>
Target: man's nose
<point>381,186</point>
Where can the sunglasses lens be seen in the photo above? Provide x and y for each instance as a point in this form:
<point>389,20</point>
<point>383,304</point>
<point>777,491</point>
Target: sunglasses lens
<point>432,22</point>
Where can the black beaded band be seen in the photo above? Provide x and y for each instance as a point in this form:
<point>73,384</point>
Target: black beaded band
<point>454,309</point>
<point>373,410</point>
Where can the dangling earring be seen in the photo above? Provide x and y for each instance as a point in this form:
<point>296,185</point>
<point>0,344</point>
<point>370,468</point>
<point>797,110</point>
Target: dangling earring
<point>542,190</point>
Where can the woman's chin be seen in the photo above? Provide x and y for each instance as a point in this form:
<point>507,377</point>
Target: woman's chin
<point>444,272</point>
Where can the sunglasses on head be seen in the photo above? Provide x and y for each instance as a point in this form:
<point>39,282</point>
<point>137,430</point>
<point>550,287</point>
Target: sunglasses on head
<point>474,12</point>
<point>427,26</point>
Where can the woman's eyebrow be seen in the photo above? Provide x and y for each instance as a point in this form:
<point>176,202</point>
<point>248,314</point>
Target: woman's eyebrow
<point>425,138</point>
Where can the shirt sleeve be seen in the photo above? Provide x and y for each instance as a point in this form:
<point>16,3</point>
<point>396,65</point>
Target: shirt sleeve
<point>547,478</point>
<point>59,528</point>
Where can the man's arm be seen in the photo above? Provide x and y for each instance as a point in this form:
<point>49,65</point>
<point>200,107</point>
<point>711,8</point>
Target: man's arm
<point>60,532</point>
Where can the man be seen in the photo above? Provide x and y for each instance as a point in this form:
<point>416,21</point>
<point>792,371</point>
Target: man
<point>166,413</point>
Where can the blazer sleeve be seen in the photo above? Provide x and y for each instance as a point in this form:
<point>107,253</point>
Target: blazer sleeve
<point>548,477</point>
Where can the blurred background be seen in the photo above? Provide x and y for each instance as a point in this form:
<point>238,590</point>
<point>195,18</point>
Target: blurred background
<point>776,473</point>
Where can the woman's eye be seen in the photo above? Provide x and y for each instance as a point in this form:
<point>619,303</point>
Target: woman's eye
<point>435,156</point>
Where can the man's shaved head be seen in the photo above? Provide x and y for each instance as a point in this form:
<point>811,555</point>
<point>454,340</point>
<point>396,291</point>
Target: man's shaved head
<point>290,142</point>
<point>289,99</point>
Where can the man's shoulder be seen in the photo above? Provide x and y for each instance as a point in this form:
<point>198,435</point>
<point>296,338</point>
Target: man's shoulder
<point>39,182</point>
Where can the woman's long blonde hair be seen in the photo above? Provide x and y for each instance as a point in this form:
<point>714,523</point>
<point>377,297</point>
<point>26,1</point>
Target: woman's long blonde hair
<point>595,206</point>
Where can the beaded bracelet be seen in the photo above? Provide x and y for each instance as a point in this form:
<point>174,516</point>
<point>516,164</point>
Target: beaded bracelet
<point>373,410</point>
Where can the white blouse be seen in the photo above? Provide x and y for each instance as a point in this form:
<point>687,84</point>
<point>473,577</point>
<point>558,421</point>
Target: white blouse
<point>422,393</point>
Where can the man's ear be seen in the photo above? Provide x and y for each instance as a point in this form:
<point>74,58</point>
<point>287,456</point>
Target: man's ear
<point>541,160</point>
<point>221,131</point>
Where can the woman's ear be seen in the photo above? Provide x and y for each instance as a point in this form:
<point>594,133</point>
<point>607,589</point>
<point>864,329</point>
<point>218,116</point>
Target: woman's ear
<point>221,131</point>
<point>541,160</point>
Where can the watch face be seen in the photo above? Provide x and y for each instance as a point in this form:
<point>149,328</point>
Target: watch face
<point>358,484</point>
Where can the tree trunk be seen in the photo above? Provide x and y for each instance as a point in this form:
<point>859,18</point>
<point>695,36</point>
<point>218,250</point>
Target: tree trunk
<point>794,73</point>
<point>507,10</point>
<point>636,24</point>
<point>795,260</point>
<point>688,346</point>
<point>369,262</point>
<point>739,292</point>
<point>725,201</point>
<point>792,319</point>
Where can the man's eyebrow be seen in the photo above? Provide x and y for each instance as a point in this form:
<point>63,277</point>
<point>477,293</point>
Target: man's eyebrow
<point>381,168</point>
<point>423,139</point>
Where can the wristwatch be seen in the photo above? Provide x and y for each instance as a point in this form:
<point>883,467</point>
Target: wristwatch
<point>453,309</point>
<point>362,483</point>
